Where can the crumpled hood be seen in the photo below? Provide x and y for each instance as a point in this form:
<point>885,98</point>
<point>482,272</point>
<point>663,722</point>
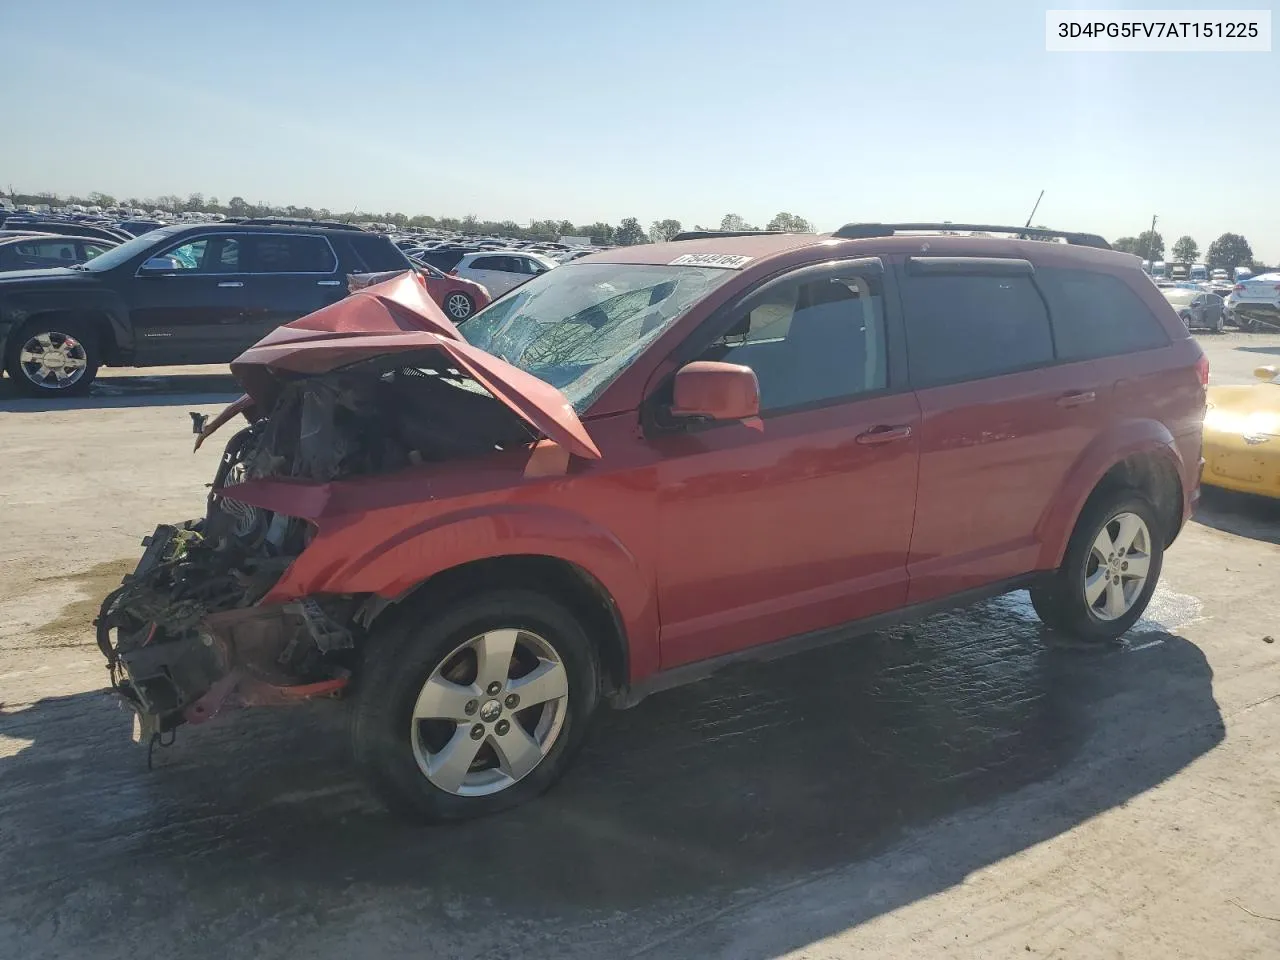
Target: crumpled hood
<point>399,316</point>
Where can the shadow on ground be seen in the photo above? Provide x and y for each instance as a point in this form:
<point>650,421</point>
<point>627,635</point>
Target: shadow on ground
<point>1271,350</point>
<point>251,835</point>
<point>1257,518</point>
<point>129,391</point>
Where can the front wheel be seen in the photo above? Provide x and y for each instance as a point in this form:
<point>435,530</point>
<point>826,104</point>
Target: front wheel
<point>54,357</point>
<point>476,709</point>
<point>1109,572</point>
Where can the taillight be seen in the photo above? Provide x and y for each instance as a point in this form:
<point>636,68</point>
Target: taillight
<point>1238,288</point>
<point>1202,371</point>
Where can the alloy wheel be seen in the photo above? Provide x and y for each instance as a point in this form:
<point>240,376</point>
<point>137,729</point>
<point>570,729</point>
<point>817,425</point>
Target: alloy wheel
<point>489,713</point>
<point>53,360</point>
<point>458,305</point>
<point>1117,566</point>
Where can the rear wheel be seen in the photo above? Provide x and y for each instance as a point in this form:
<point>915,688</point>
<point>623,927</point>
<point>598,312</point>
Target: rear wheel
<point>459,306</point>
<point>1109,572</point>
<point>476,709</point>
<point>53,357</point>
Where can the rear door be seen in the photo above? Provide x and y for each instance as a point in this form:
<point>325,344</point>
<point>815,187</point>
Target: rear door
<point>187,300</point>
<point>800,520</point>
<point>498,273</point>
<point>1001,424</point>
<point>291,275</point>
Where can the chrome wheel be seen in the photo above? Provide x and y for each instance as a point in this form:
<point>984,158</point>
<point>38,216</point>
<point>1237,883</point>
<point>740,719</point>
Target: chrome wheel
<point>458,305</point>
<point>489,713</point>
<point>53,361</point>
<point>1117,566</point>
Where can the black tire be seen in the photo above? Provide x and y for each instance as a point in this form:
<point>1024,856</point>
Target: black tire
<point>58,329</point>
<point>401,658</point>
<point>1060,600</point>
<point>460,299</point>
<point>1245,324</point>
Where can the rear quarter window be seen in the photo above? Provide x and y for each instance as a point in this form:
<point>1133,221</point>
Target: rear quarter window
<point>1097,314</point>
<point>373,253</point>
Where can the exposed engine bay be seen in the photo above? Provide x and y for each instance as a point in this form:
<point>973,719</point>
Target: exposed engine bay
<point>185,636</point>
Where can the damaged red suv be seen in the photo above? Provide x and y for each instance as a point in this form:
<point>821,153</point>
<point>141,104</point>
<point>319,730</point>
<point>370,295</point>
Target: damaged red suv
<point>654,461</point>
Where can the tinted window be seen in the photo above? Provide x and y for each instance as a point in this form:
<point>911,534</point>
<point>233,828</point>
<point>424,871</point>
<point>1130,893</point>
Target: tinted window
<point>92,250</point>
<point>279,253</point>
<point>492,263</point>
<point>967,327</point>
<point>810,342</point>
<point>1098,315</point>
<point>442,260</point>
<point>374,254</point>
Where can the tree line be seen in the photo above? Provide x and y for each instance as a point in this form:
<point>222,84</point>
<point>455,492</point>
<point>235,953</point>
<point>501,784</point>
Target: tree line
<point>628,231</point>
<point>1227,252</point>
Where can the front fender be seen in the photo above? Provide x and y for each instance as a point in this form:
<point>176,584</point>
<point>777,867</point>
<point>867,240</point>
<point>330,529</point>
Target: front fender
<point>1125,439</point>
<point>380,555</point>
<point>18,305</point>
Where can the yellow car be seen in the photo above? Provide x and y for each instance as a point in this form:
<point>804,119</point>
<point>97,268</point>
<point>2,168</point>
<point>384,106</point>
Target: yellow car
<point>1242,436</point>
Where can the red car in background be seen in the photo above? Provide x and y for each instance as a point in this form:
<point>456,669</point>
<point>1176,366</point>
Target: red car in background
<point>458,298</point>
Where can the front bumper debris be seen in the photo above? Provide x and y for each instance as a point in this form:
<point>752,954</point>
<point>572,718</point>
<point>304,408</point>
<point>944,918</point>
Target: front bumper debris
<point>184,638</point>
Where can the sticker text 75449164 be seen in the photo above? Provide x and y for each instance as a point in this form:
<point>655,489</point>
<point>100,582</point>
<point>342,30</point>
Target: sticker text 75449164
<point>728,261</point>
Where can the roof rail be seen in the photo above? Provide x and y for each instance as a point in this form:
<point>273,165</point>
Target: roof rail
<point>708,234</point>
<point>854,231</point>
<point>298,222</point>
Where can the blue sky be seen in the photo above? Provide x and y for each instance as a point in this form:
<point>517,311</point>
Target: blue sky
<point>831,109</point>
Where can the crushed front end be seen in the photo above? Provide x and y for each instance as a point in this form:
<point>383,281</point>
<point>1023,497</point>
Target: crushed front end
<point>185,636</point>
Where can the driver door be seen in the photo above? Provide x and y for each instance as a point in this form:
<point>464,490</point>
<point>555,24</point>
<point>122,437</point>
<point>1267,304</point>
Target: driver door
<point>187,302</point>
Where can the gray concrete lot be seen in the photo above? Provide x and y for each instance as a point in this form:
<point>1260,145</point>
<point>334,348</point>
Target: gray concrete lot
<point>969,786</point>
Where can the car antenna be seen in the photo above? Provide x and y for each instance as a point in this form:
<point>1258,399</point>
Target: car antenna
<point>1033,210</point>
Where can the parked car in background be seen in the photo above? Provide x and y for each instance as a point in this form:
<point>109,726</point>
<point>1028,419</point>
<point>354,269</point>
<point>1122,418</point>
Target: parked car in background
<point>1242,435</point>
<point>1255,302</point>
<point>458,298</point>
<point>502,271</point>
<point>190,293</point>
<point>1197,308</point>
<point>70,228</point>
<point>49,250</point>
<point>636,469</point>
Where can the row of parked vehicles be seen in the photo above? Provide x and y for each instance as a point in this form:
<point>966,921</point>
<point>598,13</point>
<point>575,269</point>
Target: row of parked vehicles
<point>1212,299</point>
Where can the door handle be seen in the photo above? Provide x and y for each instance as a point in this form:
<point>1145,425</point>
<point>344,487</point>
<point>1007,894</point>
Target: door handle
<point>231,283</point>
<point>328,283</point>
<point>884,434</point>
<point>1077,398</point>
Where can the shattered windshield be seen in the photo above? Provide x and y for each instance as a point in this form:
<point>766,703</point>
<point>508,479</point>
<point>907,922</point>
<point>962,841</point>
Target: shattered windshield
<point>578,326</point>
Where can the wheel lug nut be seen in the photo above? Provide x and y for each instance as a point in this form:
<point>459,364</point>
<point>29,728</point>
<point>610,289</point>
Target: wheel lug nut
<point>477,732</point>
<point>494,688</point>
<point>502,727</point>
<point>512,701</point>
<point>471,707</point>
<point>1125,565</point>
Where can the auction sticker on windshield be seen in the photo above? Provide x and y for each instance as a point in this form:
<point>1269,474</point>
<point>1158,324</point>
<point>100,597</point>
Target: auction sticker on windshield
<point>728,261</point>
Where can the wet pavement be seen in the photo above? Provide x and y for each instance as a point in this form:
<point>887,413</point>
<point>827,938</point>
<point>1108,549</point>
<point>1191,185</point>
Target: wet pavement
<point>253,832</point>
<point>968,784</point>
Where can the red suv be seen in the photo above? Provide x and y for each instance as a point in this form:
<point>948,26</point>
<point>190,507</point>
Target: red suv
<point>653,461</point>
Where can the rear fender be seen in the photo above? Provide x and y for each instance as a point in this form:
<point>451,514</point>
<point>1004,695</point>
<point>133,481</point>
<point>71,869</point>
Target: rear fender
<point>409,555</point>
<point>1126,439</point>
